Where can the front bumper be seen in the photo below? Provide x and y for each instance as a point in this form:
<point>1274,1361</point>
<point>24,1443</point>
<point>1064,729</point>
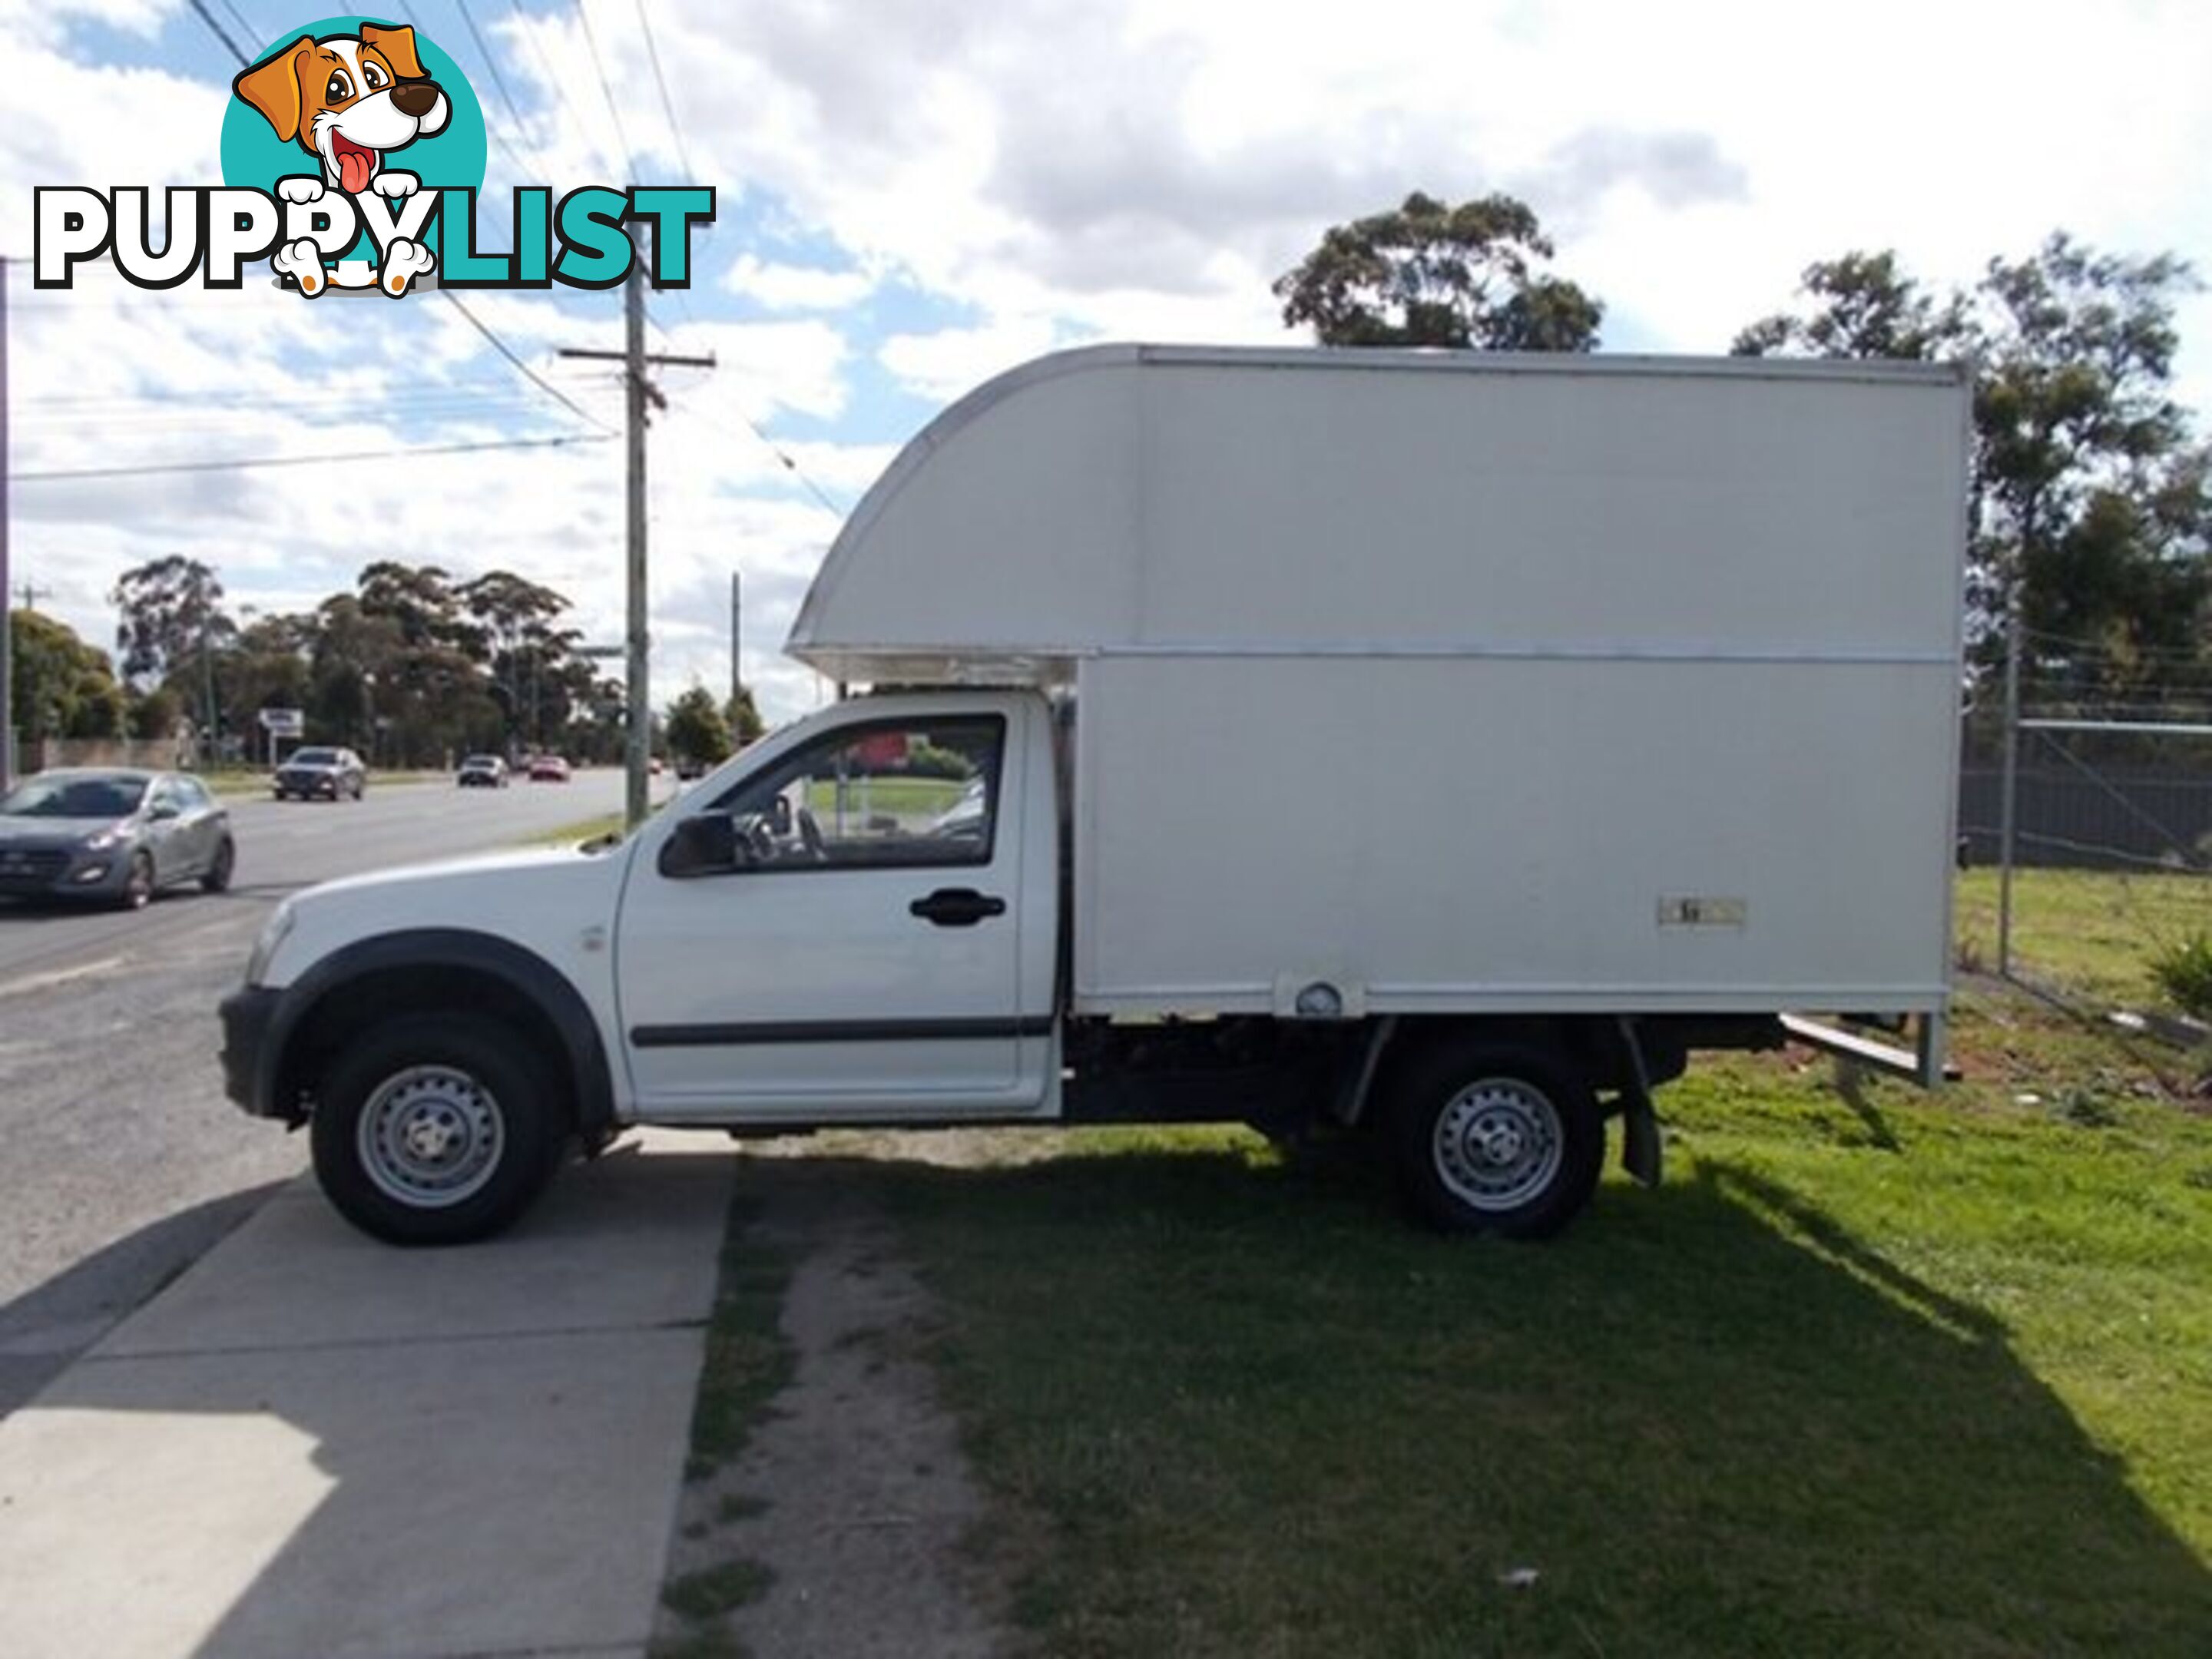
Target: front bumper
<point>65,873</point>
<point>319,783</point>
<point>247,1016</point>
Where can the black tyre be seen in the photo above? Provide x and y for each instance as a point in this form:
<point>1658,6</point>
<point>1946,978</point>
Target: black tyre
<point>216,878</point>
<point>1496,1137</point>
<point>435,1129</point>
<point>138,885</point>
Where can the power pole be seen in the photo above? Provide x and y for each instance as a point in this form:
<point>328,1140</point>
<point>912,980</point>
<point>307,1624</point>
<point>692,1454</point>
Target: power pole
<point>634,357</point>
<point>7,623</point>
<point>2008,808</point>
<point>207,673</point>
<point>737,659</point>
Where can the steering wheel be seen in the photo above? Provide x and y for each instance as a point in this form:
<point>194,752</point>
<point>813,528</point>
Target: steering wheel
<point>758,842</point>
<point>810,837</point>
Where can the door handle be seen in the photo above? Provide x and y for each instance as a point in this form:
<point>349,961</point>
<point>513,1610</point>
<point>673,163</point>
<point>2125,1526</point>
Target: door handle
<point>957,906</point>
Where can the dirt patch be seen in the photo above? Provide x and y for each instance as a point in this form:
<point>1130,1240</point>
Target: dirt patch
<point>850,1508</point>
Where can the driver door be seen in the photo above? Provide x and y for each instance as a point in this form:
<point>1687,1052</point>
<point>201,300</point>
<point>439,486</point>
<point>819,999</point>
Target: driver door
<point>857,954</point>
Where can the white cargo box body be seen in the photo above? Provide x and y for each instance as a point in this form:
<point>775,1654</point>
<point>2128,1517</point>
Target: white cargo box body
<point>1462,683</point>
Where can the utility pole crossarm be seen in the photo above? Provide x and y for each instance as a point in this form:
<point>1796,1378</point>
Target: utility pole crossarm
<point>655,358</point>
<point>651,360</point>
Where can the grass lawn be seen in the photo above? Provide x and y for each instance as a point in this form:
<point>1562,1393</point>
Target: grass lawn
<point>1872,1373</point>
<point>901,797</point>
<point>576,834</point>
<point>2081,931</point>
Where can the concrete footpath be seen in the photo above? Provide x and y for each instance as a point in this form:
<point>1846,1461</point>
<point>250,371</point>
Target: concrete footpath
<point>313,1446</point>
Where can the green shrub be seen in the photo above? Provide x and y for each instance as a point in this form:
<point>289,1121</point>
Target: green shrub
<point>2184,972</point>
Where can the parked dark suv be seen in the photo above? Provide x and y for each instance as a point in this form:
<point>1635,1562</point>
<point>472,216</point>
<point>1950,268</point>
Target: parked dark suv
<point>327,773</point>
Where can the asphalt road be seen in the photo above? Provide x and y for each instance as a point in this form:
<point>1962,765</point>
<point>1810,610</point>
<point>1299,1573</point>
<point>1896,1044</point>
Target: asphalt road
<point>120,1159</point>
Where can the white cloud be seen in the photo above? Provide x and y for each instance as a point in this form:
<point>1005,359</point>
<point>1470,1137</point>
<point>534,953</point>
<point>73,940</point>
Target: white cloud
<point>797,287</point>
<point>1150,167</point>
<point>45,22</point>
<point>943,365</point>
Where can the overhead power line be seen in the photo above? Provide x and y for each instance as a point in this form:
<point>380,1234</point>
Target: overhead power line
<point>100,405</point>
<point>667,104</point>
<point>208,17</point>
<point>783,457</point>
<point>483,51</point>
<point>246,28</point>
<point>243,462</point>
<point>598,65</point>
<point>676,136</point>
<point>498,81</point>
<point>525,369</point>
<point>481,326</point>
<point>557,82</point>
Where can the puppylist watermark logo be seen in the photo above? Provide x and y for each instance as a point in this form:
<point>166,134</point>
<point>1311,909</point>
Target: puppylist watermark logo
<point>353,151</point>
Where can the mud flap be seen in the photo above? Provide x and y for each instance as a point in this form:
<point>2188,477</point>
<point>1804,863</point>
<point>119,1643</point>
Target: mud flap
<point>1639,1140</point>
<point>1640,1153</point>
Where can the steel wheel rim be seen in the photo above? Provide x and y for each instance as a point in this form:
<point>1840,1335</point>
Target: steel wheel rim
<point>1497,1144</point>
<point>430,1137</point>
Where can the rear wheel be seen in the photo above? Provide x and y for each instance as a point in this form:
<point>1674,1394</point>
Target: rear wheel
<point>1496,1138</point>
<point>435,1129</point>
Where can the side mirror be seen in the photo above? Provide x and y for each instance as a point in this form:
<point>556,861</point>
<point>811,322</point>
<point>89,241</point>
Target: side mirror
<point>704,844</point>
<point>164,810</point>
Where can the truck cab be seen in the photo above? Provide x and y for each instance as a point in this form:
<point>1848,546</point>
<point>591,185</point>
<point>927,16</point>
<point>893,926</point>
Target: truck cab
<point>856,921</point>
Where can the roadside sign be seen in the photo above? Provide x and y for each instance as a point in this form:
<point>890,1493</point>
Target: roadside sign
<point>283,722</point>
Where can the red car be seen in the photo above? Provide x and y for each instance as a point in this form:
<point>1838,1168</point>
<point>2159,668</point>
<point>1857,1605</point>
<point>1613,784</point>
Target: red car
<point>549,768</point>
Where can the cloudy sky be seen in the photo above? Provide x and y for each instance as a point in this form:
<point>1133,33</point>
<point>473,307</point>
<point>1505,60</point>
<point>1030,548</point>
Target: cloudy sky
<point>915,195</point>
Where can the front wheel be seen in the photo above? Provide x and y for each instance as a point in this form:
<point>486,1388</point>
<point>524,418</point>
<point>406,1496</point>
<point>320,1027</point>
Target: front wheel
<point>217,877</point>
<point>435,1129</point>
<point>1496,1138</point>
<point>137,884</point>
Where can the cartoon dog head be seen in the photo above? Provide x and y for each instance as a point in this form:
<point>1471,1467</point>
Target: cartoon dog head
<point>348,100</point>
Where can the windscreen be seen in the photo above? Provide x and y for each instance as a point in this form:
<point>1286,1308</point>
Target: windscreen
<point>74,797</point>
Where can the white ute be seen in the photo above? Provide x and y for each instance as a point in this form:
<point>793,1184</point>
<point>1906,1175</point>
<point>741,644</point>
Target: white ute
<point>1446,743</point>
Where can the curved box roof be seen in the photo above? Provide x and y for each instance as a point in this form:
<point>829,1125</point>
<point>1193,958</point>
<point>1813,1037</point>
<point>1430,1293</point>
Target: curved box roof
<point>1211,501</point>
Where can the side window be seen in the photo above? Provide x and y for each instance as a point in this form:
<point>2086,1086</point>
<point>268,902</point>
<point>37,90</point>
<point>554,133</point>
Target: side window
<point>888,794</point>
<point>189,793</point>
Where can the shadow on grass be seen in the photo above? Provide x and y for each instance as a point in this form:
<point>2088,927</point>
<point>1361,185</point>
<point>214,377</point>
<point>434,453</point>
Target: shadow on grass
<point>1241,1410</point>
